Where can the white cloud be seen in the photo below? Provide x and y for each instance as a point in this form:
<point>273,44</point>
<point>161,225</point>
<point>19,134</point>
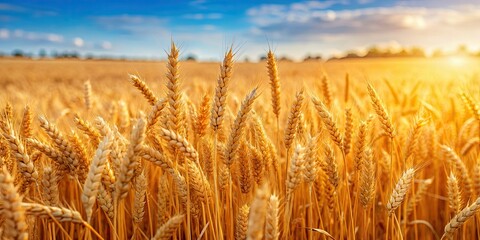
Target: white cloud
<point>293,25</point>
<point>78,42</point>
<point>5,7</point>
<point>11,7</point>
<point>4,33</point>
<point>365,1</point>
<point>415,22</point>
<point>5,18</point>
<point>52,38</point>
<point>133,24</point>
<point>285,20</point>
<point>201,16</point>
<point>20,34</point>
<point>199,4</point>
<point>106,45</point>
<point>209,27</point>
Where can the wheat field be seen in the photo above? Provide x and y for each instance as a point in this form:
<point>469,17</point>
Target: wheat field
<point>357,149</point>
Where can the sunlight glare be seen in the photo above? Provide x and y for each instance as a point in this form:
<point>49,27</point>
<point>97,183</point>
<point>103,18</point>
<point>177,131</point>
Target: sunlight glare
<point>457,61</point>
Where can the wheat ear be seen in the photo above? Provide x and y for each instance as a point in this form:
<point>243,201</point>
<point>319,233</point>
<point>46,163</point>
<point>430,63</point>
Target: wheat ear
<point>60,214</point>
<point>293,119</point>
<point>130,160</point>
<point>221,92</point>
<point>13,214</point>
<point>381,112</point>
<point>87,95</point>
<point>271,222</point>
<point>367,179</point>
<point>460,219</point>
<point>140,196</point>
<point>258,211</point>
<point>175,140</point>
<point>26,130</point>
<point>274,82</point>
<point>454,194</point>
<point>24,163</point>
<point>142,86</point>
<point>93,181</point>
<point>347,136</point>
<point>176,119</point>
<point>295,171</point>
<point>241,223</point>
<point>400,190</point>
<point>238,128</point>
<point>89,130</point>
<point>166,231</point>
<point>460,168</point>
<point>330,124</point>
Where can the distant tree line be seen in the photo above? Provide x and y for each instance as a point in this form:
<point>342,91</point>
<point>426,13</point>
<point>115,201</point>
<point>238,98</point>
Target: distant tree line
<point>42,53</point>
<point>414,52</point>
<point>372,52</point>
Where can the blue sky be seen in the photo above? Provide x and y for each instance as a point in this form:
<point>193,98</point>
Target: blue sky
<point>206,28</point>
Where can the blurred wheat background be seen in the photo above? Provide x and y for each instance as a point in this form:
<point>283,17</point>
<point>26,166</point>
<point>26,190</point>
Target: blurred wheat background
<point>352,149</point>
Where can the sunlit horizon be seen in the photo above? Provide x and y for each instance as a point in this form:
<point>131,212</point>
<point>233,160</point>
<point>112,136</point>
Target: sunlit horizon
<point>295,29</point>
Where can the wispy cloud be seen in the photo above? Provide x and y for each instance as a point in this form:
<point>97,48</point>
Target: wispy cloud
<point>4,34</point>
<point>132,24</point>
<point>5,18</point>
<point>365,1</point>
<point>106,45</point>
<point>278,20</point>
<point>433,27</point>
<point>11,8</point>
<point>202,16</point>
<point>199,4</point>
<point>39,37</point>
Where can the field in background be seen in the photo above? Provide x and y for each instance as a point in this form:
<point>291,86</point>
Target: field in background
<point>34,82</point>
<point>427,101</point>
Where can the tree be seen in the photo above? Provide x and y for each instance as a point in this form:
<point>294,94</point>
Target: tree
<point>191,57</point>
<point>417,52</point>
<point>437,53</point>
<point>373,52</point>
<point>42,53</point>
<point>462,49</point>
<point>18,53</point>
